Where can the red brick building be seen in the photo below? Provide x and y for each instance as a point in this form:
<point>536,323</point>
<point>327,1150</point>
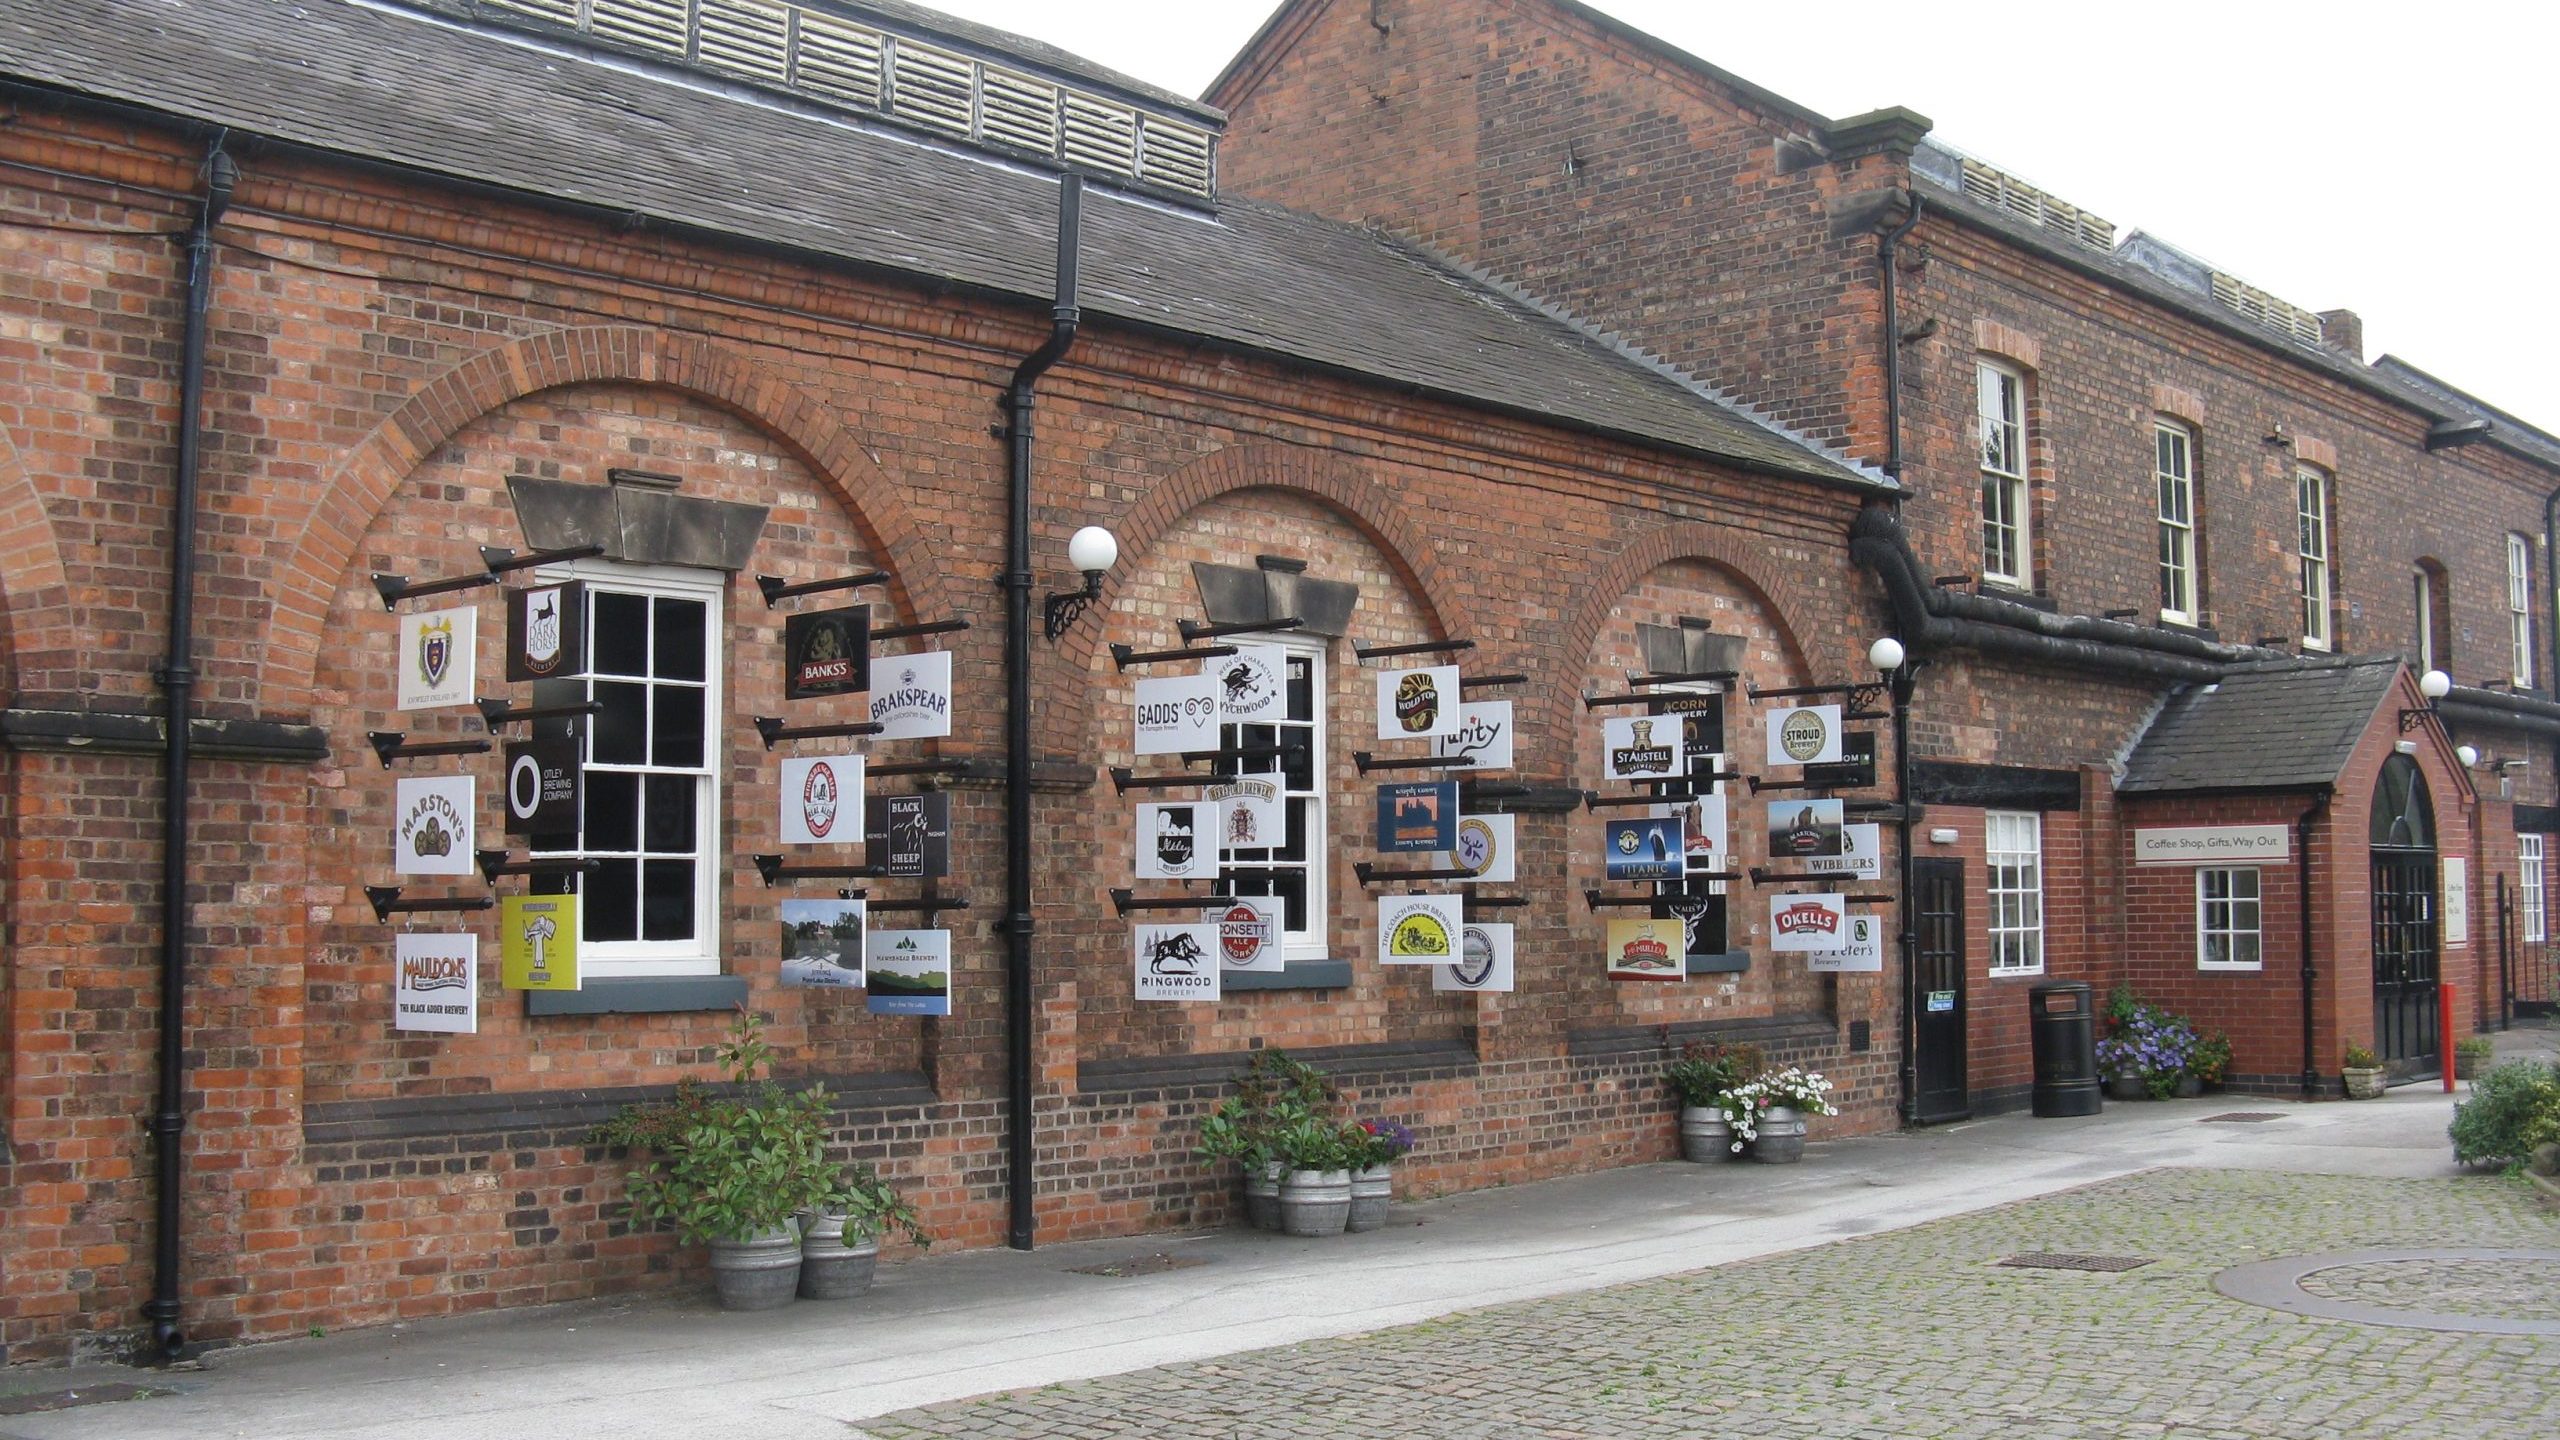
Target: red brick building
<point>728,295</point>
<point>2145,501</point>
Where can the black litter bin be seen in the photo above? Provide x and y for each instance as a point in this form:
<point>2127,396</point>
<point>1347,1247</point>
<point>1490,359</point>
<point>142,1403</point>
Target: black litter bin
<point>2063,1018</point>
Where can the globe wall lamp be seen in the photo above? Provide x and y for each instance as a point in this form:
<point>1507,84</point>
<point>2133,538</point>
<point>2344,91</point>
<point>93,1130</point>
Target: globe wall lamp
<point>2434,685</point>
<point>1094,551</point>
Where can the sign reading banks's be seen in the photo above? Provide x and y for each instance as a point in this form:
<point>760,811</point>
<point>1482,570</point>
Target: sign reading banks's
<point>826,652</point>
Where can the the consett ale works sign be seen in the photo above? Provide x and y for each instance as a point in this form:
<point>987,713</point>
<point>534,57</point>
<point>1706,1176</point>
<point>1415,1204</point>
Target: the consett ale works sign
<point>2213,845</point>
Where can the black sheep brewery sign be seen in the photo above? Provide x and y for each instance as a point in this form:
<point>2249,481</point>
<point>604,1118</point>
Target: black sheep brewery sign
<point>826,652</point>
<point>1177,962</point>
<point>547,631</point>
<point>908,836</point>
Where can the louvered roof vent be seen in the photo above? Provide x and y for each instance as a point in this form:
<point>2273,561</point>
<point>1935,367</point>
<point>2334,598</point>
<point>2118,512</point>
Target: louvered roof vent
<point>851,64</point>
<point>2002,190</point>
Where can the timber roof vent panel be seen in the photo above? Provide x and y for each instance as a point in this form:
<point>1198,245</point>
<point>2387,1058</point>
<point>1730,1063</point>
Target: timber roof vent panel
<point>2043,208</point>
<point>750,37</point>
<point>2239,296</point>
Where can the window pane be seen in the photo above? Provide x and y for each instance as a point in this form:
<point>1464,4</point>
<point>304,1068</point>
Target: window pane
<point>622,726</point>
<point>671,814</point>
<point>613,810</point>
<point>680,637</point>
<point>1302,690</point>
<point>621,633</point>
<point>677,739</point>
<point>666,900</point>
<point>609,906</point>
<point>2244,949</point>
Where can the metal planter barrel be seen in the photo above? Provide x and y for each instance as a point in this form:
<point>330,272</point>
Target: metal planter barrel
<point>831,1269</point>
<point>1315,1202</point>
<point>1781,1137</point>
<point>1705,1135</point>
<point>757,1272</point>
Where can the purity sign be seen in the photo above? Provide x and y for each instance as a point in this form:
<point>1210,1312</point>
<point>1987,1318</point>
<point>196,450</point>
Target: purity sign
<point>2212,845</point>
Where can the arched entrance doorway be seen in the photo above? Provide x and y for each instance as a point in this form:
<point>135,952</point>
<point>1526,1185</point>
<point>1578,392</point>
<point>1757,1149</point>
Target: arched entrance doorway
<point>2403,844</point>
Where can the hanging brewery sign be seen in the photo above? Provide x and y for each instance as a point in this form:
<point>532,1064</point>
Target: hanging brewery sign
<point>1804,735</point>
<point>1484,736</point>
<point>1641,747</point>
<point>911,695</point>
<point>1807,924</point>
<point>826,652</point>
<point>908,972</point>
<point>1702,833</point>
<point>1701,720</point>
<point>1178,841</point>
<point>1647,950</point>
<point>1177,962</point>
<point>1176,713</point>
<point>1861,950</point>
<point>1419,929</point>
<point>1484,960</point>
<point>908,835</point>
<point>438,984</point>
<point>1861,854</point>
<point>542,786</point>
<point>1249,935</point>
<point>823,943</point>
<point>1483,849</point>
<point>436,658</point>
<point>432,832</point>
<point>1413,704</point>
<point>1417,816</point>
<point>820,796</point>
<point>538,942</point>
<point>1702,921</point>
<point>1647,848</point>
<point>1802,828</point>
<point>1250,815</point>
<point>547,631</point>
<point>1253,684</point>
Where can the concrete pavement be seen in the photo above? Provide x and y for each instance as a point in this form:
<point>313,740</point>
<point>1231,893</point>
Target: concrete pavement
<point>952,1326</point>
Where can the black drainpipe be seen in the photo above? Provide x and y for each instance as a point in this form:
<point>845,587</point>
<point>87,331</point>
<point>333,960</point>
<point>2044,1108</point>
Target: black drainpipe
<point>1886,246</point>
<point>1908,938</point>
<point>177,678</point>
<point>1018,401</point>
<point>2310,972</point>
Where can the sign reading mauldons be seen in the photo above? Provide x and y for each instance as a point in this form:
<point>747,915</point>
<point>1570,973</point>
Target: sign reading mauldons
<point>2213,845</point>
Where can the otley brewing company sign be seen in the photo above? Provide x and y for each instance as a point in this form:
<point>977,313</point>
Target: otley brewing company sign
<point>826,652</point>
<point>542,786</point>
<point>547,632</point>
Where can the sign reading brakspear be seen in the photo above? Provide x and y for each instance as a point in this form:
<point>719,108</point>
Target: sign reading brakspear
<point>911,695</point>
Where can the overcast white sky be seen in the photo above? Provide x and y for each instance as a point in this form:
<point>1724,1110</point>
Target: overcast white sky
<point>2393,160</point>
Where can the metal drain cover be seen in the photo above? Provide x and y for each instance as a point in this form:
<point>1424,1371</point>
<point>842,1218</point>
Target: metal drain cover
<point>2054,1260</point>
<point>2241,1117</point>
<point>1137,1265</point>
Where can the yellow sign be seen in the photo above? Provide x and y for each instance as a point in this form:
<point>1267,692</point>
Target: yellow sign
<point>538,942</point>
<point>1648,950</point>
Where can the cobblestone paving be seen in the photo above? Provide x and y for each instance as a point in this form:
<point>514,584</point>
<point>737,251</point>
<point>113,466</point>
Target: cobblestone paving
<point>1915,1335</point>
<point>2515,1290</point>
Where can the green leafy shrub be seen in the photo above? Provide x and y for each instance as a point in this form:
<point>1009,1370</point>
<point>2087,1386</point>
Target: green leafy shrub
<point>1705,1072</point>
<point>2211,1059</point>
<point>2512,1109</point>
<point>2357,1057</point>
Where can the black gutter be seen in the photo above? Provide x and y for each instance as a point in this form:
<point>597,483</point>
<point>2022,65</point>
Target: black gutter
<point>1904,679</point>
<point>1018,404</point>
<point>1887,245</point>
<point>2310,972</point>
<point>177,677</point>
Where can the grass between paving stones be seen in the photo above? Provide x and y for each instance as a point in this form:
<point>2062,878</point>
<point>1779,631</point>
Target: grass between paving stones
<point>1901,1336</point>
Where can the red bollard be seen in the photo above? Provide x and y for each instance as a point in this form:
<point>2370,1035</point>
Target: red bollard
<point>2444,1028</point>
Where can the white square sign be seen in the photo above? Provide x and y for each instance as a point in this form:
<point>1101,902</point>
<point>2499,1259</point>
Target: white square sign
<point>1177,713</point>
<point>1413,704</point>
<point>1251,816</point>
<point>822,800</point>
<point>436,653</point>
<point>1643,747</point>
<point>1861,854</point>
<point>1253,684</point>
<point>1419,929</point>
<point>1177,962</point>
<point>437,984</point>
<point>1249,934</point>
<point>1807,924</point>
<point>1484,847</point>
<point>432,829</point>
<point>1862,952</point>
<point>1484,735</point>
<point>1484,960</point>
<point>1178,840</point>
<point>911,695</point>
<point>1804,735</point>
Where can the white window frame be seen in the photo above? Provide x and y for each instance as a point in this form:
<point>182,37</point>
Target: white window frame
<point>631,959</point>
<point>2000,412</point>
<point>2531,904</point>
<point>2311,543</point>
<point>2220,916</point>
<point>1314,942</point>
<point>2013,860</point>
<point>2173,472</point>
<point>2520,609</point>
<point>2422,605</point>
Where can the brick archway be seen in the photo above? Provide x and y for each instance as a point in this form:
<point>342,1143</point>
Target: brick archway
<point>366,479</point>
<point>1324,476</point>
<point>37,618</point>
<point>1707,544</point>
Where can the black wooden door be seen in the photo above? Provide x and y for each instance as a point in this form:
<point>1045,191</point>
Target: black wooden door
<point>2405,994</point>
<point>1938,1016</point>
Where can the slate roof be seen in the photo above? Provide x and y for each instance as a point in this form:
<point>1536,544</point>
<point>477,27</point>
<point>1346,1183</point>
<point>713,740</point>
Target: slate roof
<point>2280,725</point>
<point>2538,443</point>
<point>549,118</point>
